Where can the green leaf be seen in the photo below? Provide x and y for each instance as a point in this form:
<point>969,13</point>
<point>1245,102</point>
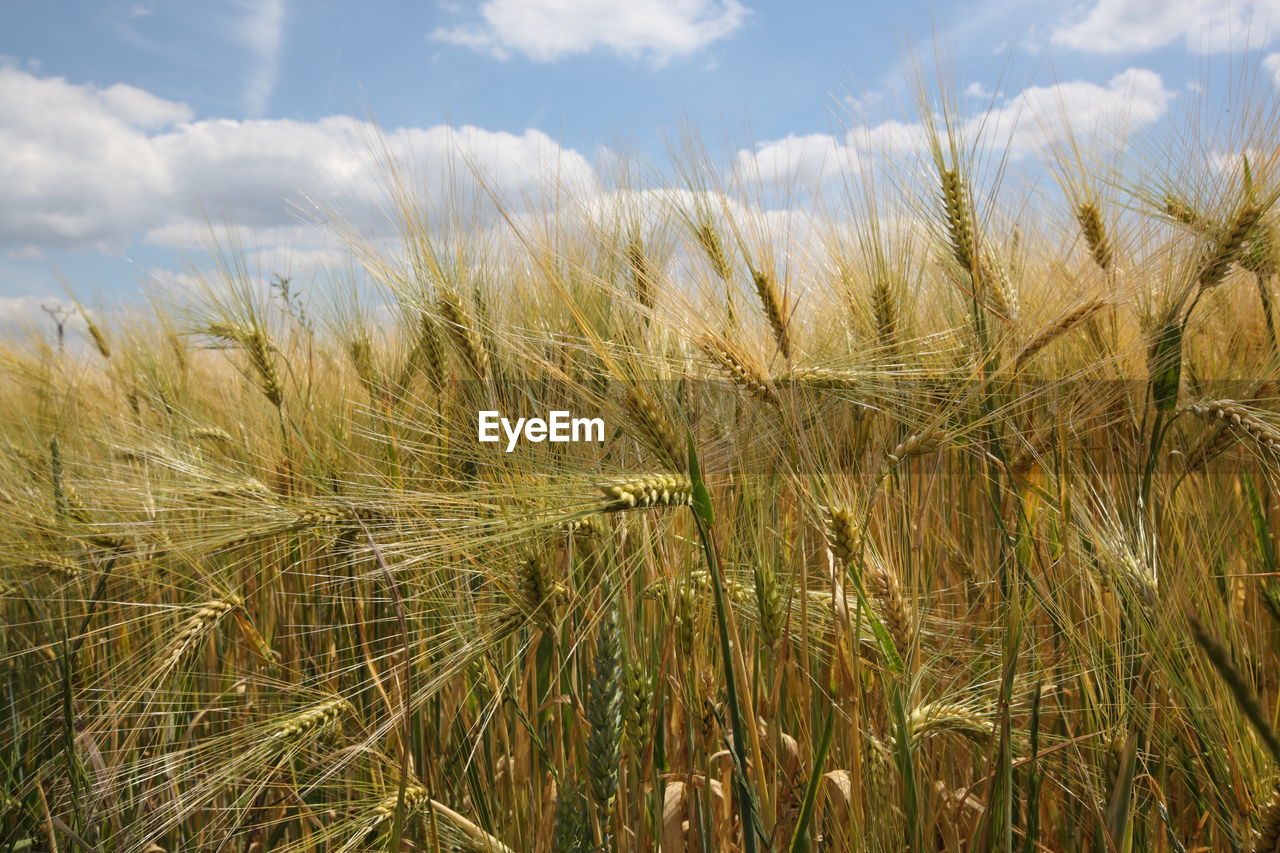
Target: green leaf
<point>906,769</point>
<point>1165,366</point>
<point>1266,548</point>
<point>1119,809</point>
<point>800,838</point>
<point>701,497</point>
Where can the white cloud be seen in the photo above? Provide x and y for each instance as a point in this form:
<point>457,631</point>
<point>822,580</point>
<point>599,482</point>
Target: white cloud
<point>79,167</point>
<point>864,101</point>
<point>1026,123</point>
<point>1039,116</point>
<point>262,29</point>
<point>90,167</point>
<point>799,160</point>
<point>1204,26</point>
<point>547,30</point>
<point>142,109</point>
<point>1271,65</point>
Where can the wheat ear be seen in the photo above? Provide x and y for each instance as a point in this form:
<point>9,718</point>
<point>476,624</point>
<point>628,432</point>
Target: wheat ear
<point>1226,247</point>
<point>843,534</point>
<point>709,239</point>
<point>604,716</point>
<point>642,279</point>
<point>955,208</point>
<point>195,628</point>
<point>256,346</point>
<point>775,310</point>
<point>1095,234</point>
<point>463,331</point>
<point>323,718</point>
<point>653,490</point>
<point>934,717</point>
<point>744,373</point>
<point>884,310</point>
<point>652,424</point>
<point>1057,329</point>
<point>1241,418</point>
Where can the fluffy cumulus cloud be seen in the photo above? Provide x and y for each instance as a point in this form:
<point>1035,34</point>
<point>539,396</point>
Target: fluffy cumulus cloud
<point>1271,65</point>
<point>547,30</point>
<point>1025,124</point>
<point>1040,116</point>
<point>1202,26</point>
<point>98,167</point>
<point>79,166</point>
<point>801,160</point>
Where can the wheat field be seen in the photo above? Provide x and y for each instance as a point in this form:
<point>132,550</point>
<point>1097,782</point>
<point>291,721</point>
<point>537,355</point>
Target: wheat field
<point>936,514</point>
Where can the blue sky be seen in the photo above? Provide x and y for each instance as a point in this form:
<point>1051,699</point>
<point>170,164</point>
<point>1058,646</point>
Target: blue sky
<point>128,125</point>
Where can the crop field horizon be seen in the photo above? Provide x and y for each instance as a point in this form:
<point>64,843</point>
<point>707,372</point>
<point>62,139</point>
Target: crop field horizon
<point>932,510</point>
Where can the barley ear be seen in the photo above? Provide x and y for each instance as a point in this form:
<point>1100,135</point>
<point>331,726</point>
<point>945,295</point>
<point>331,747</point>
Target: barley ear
<point>958,219</point>
<point>653,490</point>
<point>743,372</point>
<point>642,278</point>
<point>775,310</point>
<point>604,716</point>
<point>1227,245</point>
<point>1095,234</point>
<point>462,329</point>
